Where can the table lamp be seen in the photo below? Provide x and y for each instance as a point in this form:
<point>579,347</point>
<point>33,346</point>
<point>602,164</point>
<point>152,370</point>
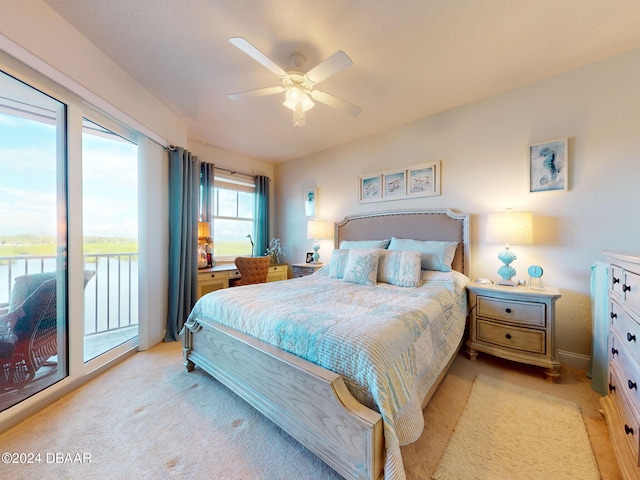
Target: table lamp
<point>204,239</point>
<point>317,229</point>
<point>509,227</point>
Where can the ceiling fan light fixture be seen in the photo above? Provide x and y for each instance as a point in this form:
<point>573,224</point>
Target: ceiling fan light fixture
<point>295,97</point>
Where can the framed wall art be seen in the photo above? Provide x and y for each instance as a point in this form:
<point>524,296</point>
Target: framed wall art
<point>370,188</point>
<point>420,180</point>
<point>548,166</point>
<point>310,201</point>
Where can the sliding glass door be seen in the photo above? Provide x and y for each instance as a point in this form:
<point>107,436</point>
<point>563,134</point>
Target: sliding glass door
<point>33,241</point>
<point>110,239</point>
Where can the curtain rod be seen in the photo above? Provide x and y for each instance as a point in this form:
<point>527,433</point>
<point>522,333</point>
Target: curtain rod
<point>232,172</point>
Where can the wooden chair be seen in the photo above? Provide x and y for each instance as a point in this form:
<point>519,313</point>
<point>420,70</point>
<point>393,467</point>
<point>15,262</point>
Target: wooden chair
<point>253,269</point>
<point>29,331</point>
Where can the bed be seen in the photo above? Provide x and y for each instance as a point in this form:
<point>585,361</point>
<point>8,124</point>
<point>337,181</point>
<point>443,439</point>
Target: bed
<point>353,405</point>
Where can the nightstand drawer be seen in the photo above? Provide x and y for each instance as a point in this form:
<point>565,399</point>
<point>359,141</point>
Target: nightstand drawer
<point>512,311</point>
<point>533,341</point>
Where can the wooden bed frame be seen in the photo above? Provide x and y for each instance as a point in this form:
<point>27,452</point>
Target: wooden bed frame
<point>307,401</point>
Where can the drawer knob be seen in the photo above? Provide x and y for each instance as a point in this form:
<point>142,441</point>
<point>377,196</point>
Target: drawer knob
<point>615,280</point>
<point>508,310</point>
<point>213,275</point>
<point>614,351</point>
<point>627,429</point>
<point>614,315</point>
<point>612,388</point>
<point>631,338</point>
<point>508,336</point>
<point>632,385</point>
<point>626,288</point>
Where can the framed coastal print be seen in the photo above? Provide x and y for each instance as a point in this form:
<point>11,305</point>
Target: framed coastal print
<point>548,166</point>
<point>370,188</point>
<point>423,180</point>
<point>395,184</point>
<point>310,199</point>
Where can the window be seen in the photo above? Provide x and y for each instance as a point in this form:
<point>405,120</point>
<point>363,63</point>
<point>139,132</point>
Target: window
<point>233,215</point>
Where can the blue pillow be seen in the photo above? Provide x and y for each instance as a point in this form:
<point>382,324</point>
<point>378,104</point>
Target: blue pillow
<point>434,255</point>
<point>338,263</point>
<point>362,266</point>
<point>364,244</point>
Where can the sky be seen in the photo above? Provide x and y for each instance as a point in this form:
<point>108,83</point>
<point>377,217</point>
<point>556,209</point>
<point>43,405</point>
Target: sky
<point>28,184</point>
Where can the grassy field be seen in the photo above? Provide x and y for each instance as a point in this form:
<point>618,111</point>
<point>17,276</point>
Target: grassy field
<point>50,249</point>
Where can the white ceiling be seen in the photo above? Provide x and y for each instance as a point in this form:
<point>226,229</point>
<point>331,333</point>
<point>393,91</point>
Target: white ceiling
<point>412,58</point>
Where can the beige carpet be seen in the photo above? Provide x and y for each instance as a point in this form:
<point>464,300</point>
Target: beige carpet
<point>506,431</point>
<point>147,418</point>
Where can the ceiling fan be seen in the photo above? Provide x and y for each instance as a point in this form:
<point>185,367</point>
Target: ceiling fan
<point>298,87</point>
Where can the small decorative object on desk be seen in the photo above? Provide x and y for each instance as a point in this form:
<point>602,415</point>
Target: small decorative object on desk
<point>535,274</point>
<point>275,249</point>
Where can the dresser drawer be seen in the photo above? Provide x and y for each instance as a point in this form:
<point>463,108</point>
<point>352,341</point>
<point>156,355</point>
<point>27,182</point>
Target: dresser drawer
<point>626,366</point>
<point>511,311</point>
<point>627,330</point>
<point>629,426</point>
<point>631,291</point>
<point>517,338</point>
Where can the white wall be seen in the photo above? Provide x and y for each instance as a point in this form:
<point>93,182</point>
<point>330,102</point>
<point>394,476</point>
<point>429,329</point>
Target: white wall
<point>484,152</point>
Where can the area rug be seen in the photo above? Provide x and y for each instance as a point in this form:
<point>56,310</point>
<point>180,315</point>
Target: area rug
<point>506,431</point>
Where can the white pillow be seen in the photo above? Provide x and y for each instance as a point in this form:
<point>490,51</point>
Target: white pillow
<point>362,266</point>
<point>364,244</point>
<point>400,267</point>
<point>435,255</point>
<point>338,263</point>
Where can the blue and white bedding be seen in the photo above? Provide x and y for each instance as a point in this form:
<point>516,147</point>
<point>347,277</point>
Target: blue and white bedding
<point>389,343</point>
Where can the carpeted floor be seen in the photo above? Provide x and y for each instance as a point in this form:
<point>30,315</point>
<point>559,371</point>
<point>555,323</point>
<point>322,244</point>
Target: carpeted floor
<point>147,418</point>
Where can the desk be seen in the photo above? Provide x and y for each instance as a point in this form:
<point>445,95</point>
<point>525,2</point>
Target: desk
<point>226,275</point>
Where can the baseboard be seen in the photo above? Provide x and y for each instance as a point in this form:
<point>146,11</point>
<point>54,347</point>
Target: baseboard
<point>575,360</point>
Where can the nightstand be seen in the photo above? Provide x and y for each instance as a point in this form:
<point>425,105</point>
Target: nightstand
<point>516,323</point>
<point>304,269</point>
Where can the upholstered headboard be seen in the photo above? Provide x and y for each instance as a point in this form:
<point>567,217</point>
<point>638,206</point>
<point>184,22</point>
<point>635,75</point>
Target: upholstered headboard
<point>438,224</point>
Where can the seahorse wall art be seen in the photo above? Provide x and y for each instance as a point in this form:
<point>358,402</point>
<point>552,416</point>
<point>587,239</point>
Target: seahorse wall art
<point>548,164</point>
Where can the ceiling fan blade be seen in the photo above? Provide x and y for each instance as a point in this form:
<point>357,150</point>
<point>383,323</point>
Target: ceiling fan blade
<point>261,92</point>
<point>328,68</point>
<point>336,102</point>
<point>257,55</point>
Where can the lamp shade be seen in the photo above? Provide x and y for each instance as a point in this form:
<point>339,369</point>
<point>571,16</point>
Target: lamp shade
<point>204,232</point>
<point>510,227</point>
<point>317,229</point>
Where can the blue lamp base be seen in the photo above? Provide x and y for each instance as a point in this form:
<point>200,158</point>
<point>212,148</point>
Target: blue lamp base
<point>316,255</point>
<point>506,271</point>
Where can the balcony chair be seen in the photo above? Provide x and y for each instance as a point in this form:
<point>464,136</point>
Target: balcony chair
<point>29,328</point>
<point>253,269</point>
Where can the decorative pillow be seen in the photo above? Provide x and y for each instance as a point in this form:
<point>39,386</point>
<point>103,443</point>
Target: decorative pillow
<point>25,285</point>
<point>363,244</point>
<point>400,267</point>
<point>338,263</point>
<point>435,255</point>
<point>362,266</point>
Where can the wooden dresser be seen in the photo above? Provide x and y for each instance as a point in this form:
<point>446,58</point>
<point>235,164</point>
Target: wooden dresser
<point>622,405</point>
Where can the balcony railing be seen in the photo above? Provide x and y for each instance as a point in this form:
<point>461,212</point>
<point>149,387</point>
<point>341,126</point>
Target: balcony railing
<point>111,296</point>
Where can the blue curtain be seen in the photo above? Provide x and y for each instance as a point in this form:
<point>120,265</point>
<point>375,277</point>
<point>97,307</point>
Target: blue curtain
<point>262,221</point>
<point>206,192</point>
<point>184,196</point>
<point>600,324</point>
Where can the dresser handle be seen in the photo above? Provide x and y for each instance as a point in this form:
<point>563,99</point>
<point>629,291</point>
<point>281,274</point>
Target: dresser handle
<point>627,429</point>
<point>614,315</point>
<point>626,288</point>
<point>508,310</point>
<point>508,336</point>
<point>612,388</point>
<point>213,275</point>
<point>615,280</point>
<point>614,352</point>
<point>631,338</point>
<point>632,385</point>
